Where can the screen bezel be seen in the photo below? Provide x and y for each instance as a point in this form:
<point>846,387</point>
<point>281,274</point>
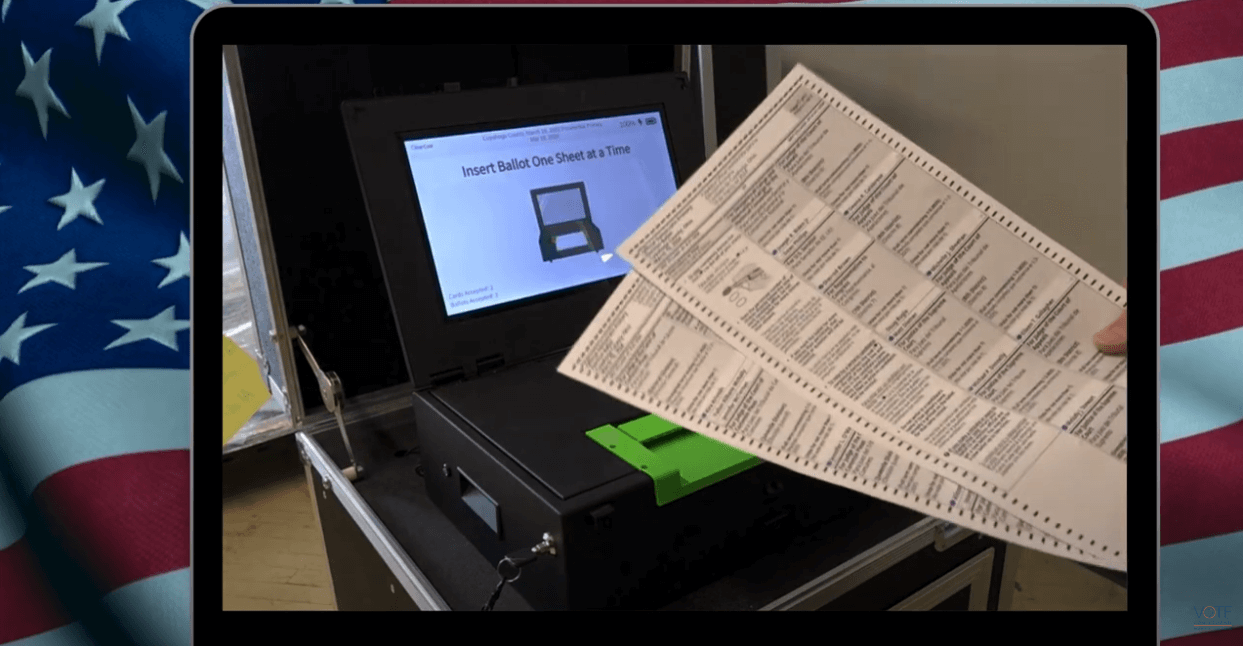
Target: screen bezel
<point>437,346</point>
<point>433,133</point>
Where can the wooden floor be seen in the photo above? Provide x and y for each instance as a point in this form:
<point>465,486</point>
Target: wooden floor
<point>273,552</point>
<point>274,555</point>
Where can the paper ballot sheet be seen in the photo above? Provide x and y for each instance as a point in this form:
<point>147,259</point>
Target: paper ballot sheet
<point>828,296</point>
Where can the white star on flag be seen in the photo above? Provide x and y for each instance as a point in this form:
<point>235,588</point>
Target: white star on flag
<point>161,328</point>
<point>37,86</point>
<point>179,265</point>
<point>11,340</point>
<point>80,200</point>
<point>105,19</point>
<point>64,271</point>
<point>148,149</point>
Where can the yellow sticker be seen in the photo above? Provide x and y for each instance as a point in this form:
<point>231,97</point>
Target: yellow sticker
<point>244,390</point>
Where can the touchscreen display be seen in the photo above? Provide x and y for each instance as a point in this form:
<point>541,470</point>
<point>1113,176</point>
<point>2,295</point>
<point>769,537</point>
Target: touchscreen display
<point>518,213</point>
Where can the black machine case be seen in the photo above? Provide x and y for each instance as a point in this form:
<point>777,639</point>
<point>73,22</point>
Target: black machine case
<point>507,460</point>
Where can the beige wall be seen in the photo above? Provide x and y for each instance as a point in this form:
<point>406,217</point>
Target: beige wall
<point>1040,128</point>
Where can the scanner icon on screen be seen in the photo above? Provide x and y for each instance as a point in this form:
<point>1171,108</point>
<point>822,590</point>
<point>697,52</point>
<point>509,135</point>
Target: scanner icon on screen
<point>565,222</point>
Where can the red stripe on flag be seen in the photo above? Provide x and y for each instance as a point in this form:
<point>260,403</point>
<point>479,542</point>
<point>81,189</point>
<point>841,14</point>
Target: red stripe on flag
<point>1198,476</point>
<point>123,518</point>
<point>1202,298</point>
<point>1228,637</point>
<point>1199,31</point>
<point>1200,158</point>
<point>28,605</point>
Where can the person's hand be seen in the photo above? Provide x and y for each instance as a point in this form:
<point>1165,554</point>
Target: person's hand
<point>1112,339</point>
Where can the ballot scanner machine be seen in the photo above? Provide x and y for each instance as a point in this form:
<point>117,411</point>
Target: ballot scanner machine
<point>423,490</point>
<point>496,214</point>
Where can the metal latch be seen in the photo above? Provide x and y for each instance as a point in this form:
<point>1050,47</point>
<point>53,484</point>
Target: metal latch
<point>947,535</point>
<point>333,394</point>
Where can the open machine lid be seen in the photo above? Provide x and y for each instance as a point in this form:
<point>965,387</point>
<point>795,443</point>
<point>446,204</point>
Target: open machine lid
<point>496,212</point>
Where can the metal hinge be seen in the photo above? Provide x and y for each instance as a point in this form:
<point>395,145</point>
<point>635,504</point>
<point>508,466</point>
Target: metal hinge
<point>333,394</point>
<point>448,377</point>
<point>490,363</point>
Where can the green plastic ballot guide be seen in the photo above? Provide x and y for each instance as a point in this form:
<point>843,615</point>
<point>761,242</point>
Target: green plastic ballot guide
<point>244,390</point>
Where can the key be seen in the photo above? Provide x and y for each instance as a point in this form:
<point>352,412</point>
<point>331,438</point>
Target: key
<point>516,562</point>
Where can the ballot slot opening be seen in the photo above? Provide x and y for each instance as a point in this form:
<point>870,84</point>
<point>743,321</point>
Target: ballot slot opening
<point>665,441</point>
<point>479,502</point>
<point>679,461</point>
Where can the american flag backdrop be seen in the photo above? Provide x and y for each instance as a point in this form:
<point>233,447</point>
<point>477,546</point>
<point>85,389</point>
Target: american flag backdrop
<point>94,319</point>
<point>94,298</point>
